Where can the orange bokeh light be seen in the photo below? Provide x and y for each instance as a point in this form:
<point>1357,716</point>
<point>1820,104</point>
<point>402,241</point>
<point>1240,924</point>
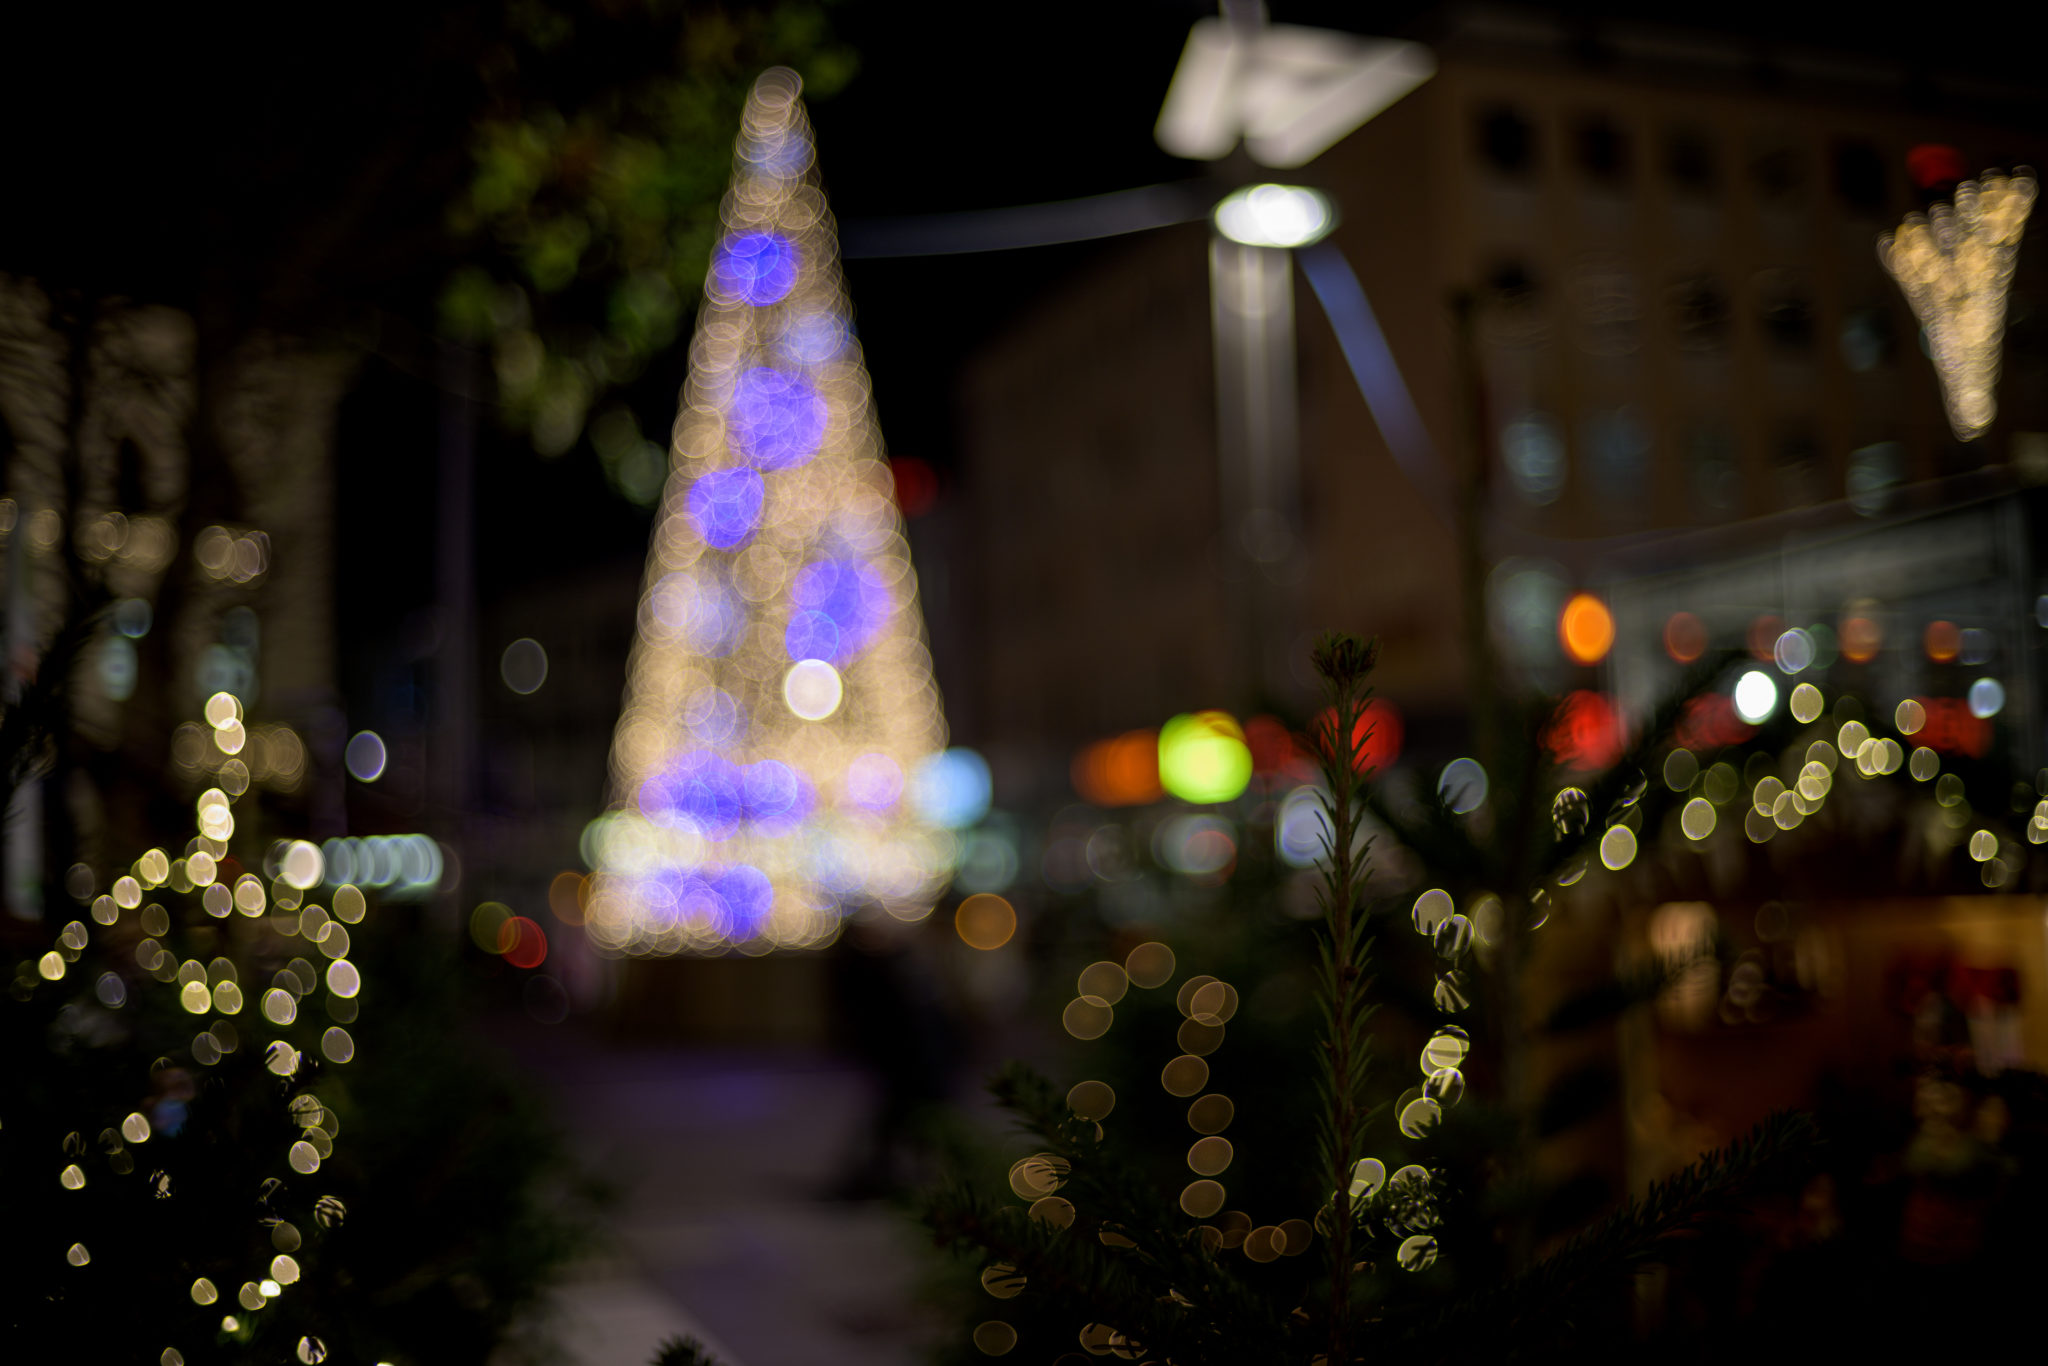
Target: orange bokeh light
<point>985,921</point>
<point>565,896</point>
<point>1860,639</point>
<point>1685,637</point>
<point>1943,641</point>
<point>1586,628</point>
<point>1123,771</point>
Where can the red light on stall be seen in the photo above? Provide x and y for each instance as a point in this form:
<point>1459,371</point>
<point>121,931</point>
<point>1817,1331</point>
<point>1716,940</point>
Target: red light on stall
<point>1685,637</point>
<point>1271,743</point>
<point>1709,722</point>
<point>1943,641</point>
<point>1933,165</point>
<point>1584,732</point>
<point>1952,729</point>
<point>1379,732</point>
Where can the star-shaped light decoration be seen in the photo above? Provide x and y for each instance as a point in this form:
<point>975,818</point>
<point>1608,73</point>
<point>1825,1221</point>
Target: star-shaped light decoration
<point>1955,265</point>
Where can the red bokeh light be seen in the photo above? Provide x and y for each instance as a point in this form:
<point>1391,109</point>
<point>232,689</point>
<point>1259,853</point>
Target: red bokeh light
<point>1861,637</point>
<point>1585,732</point>
<point>1685,637</point>
<point>917,485</point>
<point>1951,728</point>
<point>1379,731</point>
<point>1710,722</point>
<point>1933,165</point>
<point>1943,641</point>
<point>1271,744</point>
<point>522,942</point>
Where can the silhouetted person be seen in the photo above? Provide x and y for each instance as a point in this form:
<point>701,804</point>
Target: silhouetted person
<point>889,1016</point>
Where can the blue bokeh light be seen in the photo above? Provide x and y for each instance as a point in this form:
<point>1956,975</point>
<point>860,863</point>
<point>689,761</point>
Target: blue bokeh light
<point>725,507</point>
<point>697,791</point>
<point>760,267</point>
<point>730,900</point>
<point>840,605</point>
<point>813,338</point>
<point>952,789</point>
<point>775,795</point>
<point>778,419</point>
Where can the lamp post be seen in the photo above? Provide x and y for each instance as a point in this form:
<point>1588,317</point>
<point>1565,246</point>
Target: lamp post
<point>1283,95</point>
<point>1251,290</point>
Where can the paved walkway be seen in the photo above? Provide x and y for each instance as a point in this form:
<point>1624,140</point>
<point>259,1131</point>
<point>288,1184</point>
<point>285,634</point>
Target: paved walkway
<point>722,1233</point>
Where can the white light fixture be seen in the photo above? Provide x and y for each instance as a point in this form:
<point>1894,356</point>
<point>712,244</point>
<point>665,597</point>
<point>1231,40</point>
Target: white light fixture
<point>1275,216</point>
<point>1756,697</point>
<point>1291,93</point>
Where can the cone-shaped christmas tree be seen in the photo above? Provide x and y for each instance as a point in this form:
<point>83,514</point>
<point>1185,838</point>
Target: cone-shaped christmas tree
<point>779,700</point>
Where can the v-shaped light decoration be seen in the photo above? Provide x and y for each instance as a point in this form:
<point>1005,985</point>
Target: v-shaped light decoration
<point>1955,266</point>
<point>779,698</point>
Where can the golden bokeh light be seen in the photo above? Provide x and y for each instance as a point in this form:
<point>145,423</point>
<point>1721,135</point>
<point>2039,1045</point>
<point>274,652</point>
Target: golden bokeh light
<point>1201,1199</point>
<point>1091,1100</point>
<point>1149,965</point>
<point>1087,1017</point>
<point>1211,1114</point>
<point>1104,980</point>
<point>1184,1076</point>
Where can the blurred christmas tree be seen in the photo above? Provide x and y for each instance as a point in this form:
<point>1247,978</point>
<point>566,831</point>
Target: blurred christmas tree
<point>1412,1256</point>
<point>780,718</point>
<point>215,1153</point>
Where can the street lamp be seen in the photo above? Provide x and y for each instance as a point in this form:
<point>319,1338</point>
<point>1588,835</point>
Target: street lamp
<point>1285,95</point>
<point>1284,216</point>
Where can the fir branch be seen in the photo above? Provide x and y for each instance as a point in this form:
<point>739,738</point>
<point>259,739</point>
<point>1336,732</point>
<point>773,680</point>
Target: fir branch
<point>1345,664</point>
<point>1512,1317</point>
<point>1165,1291</point>
<point>682,1351</point>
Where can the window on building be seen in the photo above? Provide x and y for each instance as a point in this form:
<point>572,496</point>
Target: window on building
<point>1861,178</point>
<point>1507,141</point>
<point>1617,447</point>
<point>1604,300</point>
<point>1690,162</point>
<point>128,484</point>
<point>1532,450</point>
<point>1699,312</point>
<point>1795,465</point>
<point>1785,309</point>
<point>1512,312</point>
<point>1874,471</point>
<point>1779,173</point>
<point>1711,473</point>
<point>1868,340</point>
<point>1601,151</point>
